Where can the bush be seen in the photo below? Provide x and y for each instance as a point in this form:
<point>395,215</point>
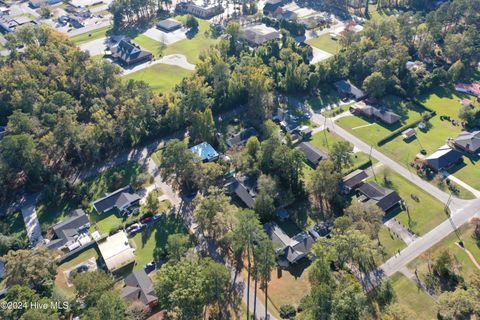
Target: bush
<point>287,311</point>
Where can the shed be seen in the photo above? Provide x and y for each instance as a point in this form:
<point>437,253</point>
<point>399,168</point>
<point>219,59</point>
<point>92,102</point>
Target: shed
<point>169,25</point>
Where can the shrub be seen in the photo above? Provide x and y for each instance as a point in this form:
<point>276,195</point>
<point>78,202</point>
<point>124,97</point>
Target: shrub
<point>287,311</point>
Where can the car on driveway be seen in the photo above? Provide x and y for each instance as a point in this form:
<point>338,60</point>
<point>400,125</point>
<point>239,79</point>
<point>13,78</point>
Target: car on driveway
<point>146,220</point>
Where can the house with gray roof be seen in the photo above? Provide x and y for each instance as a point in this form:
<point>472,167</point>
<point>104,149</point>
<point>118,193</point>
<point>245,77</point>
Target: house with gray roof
<point>139,287</point>
<point>258,34</point>
<point>444,158</point>
<point>240,138</point>
<point>384,198</point>
<point>237,188</point>
<point>468,141</point>
<point>120,200</point>
<point>353,180</point>
<point>312,154</point>
<point>350,90</point>
<point>70,231</point>
<point>289,250</point>
<point>130,53</point>
<point>169,25</point>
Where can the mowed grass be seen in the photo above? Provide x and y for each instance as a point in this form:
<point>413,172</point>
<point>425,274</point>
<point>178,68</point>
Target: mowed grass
<point>421,216</point>
<point>411,297</point>
<point>327,95</point>
<point>391,243</point>
<point>191,48</point>
<point>465,266</point>
<point>160,77</point>
<point>325,43</point>
<point>91,35</point>
<point>151,244</point>
<point>148,43</point>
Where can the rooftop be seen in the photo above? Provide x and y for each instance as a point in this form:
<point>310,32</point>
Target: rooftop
<point>119,199</point>
<point>383,197</point>
<point>116,251</point>
<point>313,155</point>
<point>139,286</point>
<point>205,151</point>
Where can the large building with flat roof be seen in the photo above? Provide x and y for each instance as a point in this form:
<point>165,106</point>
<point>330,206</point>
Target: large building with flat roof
<point>116,251</point>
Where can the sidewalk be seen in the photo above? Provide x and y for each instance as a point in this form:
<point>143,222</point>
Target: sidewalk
<point>464,185</point>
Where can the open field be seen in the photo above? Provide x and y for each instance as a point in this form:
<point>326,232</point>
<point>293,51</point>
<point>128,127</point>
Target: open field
<point>161,77</point>
<point>91,35</point>
<point>325,43</point>
<point>151,244</point>
<point>421,216</point>
<point>411,297</point>
<point>465,266</point>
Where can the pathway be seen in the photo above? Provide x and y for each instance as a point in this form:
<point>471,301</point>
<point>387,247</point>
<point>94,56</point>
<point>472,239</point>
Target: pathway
<point>470,255</point>
<point>464,185</point>
<point>400,230</point>
<point>363,126</point>
<point>28,207</point>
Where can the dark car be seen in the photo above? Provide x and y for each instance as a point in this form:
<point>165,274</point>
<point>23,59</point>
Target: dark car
<point>147,220</point>
<point>82,268</point>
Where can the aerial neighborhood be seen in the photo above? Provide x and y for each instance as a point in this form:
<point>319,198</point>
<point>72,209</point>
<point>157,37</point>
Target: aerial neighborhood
<point>268,159</point>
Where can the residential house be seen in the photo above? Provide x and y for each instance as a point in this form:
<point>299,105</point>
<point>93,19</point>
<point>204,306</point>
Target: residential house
<point>272,8</point>
<point>353,180</point>
<point>70,233</point>
<point>205,152</point>
<point>36,4</point>
<point>349,90</point>
<point>169,25</point>
<point>289,250</point>
<point>409,134</point>
<point>315,21</point>
<point>469,88</point>
<point>241,138</point>
<point>312,154</point>
<point>121,200</point>
<point>468,141</point>
<point>384,115</point>
<point>10,24</point>
<point>243,188</point>
<point>384,198</point>
<point>116,251</point>
<point>287,15</point>
<point>130,53</point>
<point>258,34</point>
<point>203,12</point>
<point>444,158</point>
<point>4,11</point>
<point>304,131</point>
<point>139,287</point>
<point>357,4</point>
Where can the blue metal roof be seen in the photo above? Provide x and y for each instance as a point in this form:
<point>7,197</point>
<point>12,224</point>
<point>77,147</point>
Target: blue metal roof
<point>205,151</point>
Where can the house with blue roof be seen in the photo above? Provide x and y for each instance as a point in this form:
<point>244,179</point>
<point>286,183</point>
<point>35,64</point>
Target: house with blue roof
<point>205,152</point>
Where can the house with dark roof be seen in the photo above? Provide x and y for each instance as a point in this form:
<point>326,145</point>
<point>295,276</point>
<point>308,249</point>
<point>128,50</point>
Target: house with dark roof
<point>203,12</point>
<point>468,141</point>
<point>169,25</point>
<point>130,53</point>
<point>139,287</point>
<point>288,250</point>
<point>444,158</point>
<point>241,138</point>
<point>312,154</point>
<point>243,190</point>
<point>350,90</point>
<point>384,198</point>
<point>71,232</point>
<point>120,200</point>
<point>272,8</point>
<point>353,180</point>
<point>205,152</point>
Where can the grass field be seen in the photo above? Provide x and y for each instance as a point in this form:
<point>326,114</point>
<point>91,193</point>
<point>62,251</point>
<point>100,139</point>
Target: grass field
<point>325,43</point>
<point>151,244</point>
<point>92,189</point>
<point>411,297</point>
<point>91,35</point>
<point>422,216</point>
<point>466,268</point>
<point>390,243</point>
<point>192,48</point>
<point>148,43</point>
<point>161,77</point>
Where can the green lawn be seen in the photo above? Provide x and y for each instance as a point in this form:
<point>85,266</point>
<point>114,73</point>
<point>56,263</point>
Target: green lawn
<point>327,95</point>
<point>13,224</point>
<point>325,43</point>
<point>191,48</point>
<point>148,43</point>
<point>91,35</point>
<point>151,243</point>
<point>161,77</point>
<point>421,216</point>
<point>91,189</point>
<point>390,243</point>
<point>411,297</point>
<point>466,268</point>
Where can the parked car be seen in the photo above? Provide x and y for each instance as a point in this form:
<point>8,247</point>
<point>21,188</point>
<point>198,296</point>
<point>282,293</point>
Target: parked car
<point>82,268</point>
<point>149,266</point>
<point>146,220</point>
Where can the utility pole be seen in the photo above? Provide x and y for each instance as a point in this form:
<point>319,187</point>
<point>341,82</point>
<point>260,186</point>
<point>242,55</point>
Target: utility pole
<point>371,162</point>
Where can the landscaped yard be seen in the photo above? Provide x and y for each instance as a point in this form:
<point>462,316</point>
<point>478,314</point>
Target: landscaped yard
<point>411,297</point>
<point>466,268</point>
<point>421,216</point>
<point>92,189</point>
<point>151,244</point>
<point>91,35</point>
<point>160,77</point>
<point>325,43</point>
<point>192,48</point>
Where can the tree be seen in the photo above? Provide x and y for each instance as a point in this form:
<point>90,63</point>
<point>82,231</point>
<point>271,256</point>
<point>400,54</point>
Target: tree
<point>264,206</point>
<point>366,218</point>
<point>177,246</point>
<point>252,147</point>
<point>375,85</point>
<point>459,304</point>
<point>324,185</point>
<point>36,269</point>
<point>90,286</point>
<point>109,306</point>
<point>349,300</point>
<point>137,311</point>
<point>216,280</point>
<point>152,203</point>
<point>191,23</point>
<point>341,155</point>
<point>178,164</point>
<point>202,128</point>
<point>264,262</point>
<point>209,174</point>
<point>456,71</point>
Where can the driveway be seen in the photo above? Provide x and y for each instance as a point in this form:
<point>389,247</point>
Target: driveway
<point>319,55</point>
<point>32,225</point>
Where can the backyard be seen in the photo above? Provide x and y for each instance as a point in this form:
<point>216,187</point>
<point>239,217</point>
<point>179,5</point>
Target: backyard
<point>161,78</point>
<point>413,298</point>
<point>325,43</point>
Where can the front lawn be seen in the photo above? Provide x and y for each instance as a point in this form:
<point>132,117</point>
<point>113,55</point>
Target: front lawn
<point>162,78</point>
<point>148,43</point>
<point>390,243</point>
<point>421,216</point>
<point>191,48</point>
<point>325,43</point>
<point>150,245</point>
<point>91,35</point>
<point>465,266</point>
<point>411,297</point>
<point>327,95</point>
